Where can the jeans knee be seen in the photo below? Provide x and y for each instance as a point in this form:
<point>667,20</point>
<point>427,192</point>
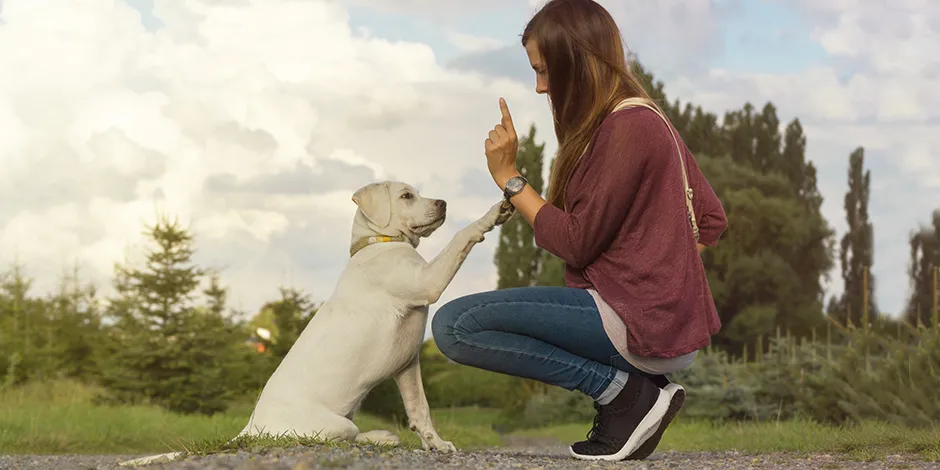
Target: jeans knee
<point>442,329</point>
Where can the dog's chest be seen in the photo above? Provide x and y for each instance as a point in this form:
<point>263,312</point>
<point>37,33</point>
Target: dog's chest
<point>404,336</point>
<point>414,323</point>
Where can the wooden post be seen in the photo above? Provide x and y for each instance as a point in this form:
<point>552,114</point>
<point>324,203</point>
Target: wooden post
<point>814,345</point>
<point>791,345</point>
<point>936,309</point>
<point>760,349</point>
<point>780,351</point>
<point>865,299</point>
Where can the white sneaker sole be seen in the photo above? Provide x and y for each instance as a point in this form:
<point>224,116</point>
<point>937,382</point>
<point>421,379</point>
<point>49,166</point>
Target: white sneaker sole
<point>641,434</point>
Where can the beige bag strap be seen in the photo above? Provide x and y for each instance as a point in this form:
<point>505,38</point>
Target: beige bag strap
<point>631,102</point>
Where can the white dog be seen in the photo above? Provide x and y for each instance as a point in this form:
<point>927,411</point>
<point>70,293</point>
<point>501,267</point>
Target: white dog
<point>371,328</point>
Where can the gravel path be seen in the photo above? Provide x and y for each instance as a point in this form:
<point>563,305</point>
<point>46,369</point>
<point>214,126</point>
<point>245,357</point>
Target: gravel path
<point>521,454</point>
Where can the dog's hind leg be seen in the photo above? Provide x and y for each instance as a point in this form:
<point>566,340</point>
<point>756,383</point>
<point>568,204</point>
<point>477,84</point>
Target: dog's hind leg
<point>315,421</point>
<point>340,428</point>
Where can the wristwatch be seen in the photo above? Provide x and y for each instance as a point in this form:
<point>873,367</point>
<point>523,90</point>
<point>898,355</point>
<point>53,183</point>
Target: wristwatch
<point>514,186</point>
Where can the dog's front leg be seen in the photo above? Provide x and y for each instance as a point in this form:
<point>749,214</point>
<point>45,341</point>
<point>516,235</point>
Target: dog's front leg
<point>437,275</point>
<point>416,406</point>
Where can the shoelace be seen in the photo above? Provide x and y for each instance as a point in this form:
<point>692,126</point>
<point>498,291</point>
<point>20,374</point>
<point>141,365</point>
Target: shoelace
<point>596,428</point>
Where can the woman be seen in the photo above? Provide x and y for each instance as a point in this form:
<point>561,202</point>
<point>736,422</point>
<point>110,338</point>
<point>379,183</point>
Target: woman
<point>637,303</point>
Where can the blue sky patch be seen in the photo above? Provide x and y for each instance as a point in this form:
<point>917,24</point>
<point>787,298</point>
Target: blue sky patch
<point>768,37</point>
<point>145,7</point>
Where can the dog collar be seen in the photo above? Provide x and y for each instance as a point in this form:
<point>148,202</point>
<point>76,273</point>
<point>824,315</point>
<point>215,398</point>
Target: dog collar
<point>366,241</point>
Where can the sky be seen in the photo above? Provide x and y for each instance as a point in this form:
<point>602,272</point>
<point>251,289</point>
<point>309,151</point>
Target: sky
<point>254,121</point>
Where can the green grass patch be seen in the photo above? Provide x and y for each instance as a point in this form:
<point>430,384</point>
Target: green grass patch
<point>866,441</point>
<point>58,418</point>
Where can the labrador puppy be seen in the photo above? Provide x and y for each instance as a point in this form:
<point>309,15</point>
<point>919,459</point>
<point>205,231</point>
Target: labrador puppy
<point>371,328</point>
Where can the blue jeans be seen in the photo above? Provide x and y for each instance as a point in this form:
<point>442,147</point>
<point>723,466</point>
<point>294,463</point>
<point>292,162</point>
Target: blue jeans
<point>550,334</point>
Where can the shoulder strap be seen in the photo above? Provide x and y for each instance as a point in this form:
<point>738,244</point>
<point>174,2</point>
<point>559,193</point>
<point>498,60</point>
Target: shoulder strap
<point>631,102</point>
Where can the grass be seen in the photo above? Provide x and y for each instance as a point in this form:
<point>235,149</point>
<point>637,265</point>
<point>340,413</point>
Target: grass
<point>57,418</point>
<point>867,441</point>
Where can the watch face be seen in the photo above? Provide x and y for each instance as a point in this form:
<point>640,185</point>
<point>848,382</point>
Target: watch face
<point>515,184</point>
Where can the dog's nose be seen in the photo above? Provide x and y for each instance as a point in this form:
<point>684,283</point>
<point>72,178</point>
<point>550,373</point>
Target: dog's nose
<point>441,203</point>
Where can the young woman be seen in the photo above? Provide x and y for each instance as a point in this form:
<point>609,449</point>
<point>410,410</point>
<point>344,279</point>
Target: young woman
<point>637,303</point>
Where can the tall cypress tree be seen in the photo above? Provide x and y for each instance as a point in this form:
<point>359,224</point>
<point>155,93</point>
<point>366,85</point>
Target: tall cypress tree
<point>740,135</point>
<point>793,158</point>
<point>517,257</point>
<point>856,254</point>
<point>925,258</point>
<point>767,140</point>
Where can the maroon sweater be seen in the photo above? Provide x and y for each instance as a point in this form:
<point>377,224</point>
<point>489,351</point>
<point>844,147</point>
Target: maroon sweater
<point>627,234</point>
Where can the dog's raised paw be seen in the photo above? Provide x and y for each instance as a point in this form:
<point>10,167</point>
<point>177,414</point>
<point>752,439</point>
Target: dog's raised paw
<point>506,211</point>
<point>497,214</point>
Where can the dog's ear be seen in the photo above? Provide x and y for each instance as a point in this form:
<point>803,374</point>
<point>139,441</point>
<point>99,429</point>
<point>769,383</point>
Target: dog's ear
<point>375,202</point>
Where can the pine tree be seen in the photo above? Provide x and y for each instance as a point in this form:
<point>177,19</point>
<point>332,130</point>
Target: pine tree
<point>216,295</point>
<point>21,320</point>
<point>164,348</point>
<point>74,328</point>
<point>856,253</point>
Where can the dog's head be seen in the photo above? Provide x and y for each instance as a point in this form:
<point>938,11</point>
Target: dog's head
<point>392,208</point>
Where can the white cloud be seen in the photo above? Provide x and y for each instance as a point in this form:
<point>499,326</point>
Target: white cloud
<point>468,43</point>
<point>877,90</point>
<point>252,121</point>
<point>437,9</point>
<point>897,38</point>
<point>224,113</point>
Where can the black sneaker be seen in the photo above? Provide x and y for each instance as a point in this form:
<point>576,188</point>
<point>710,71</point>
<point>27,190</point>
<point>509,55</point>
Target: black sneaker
<point>676,400</point>
<point>624,424</point>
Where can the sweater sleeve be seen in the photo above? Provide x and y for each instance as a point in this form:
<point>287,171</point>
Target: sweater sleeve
<point>612,173</point>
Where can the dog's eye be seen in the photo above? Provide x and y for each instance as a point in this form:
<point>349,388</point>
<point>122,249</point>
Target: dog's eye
<point>407,196</point>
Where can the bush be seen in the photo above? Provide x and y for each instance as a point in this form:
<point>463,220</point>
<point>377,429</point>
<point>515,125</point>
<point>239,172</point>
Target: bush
<point>868,376</point>
<point>551,406</point>
<point>446,385</point>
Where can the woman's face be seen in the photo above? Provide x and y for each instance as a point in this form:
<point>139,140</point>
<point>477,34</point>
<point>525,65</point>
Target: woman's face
<point>541,72</point>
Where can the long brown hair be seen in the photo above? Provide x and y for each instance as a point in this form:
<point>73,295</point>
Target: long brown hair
<point>587,76</point>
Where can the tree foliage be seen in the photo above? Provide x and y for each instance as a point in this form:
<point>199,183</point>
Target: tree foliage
<point>922,268</point>
<point>518,260</point>
<point>857,248</point>
<point>164,347</point>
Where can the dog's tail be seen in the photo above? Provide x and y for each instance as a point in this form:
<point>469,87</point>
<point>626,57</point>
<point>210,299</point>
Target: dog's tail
<point>161,458</point>
<point>171,456</point>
